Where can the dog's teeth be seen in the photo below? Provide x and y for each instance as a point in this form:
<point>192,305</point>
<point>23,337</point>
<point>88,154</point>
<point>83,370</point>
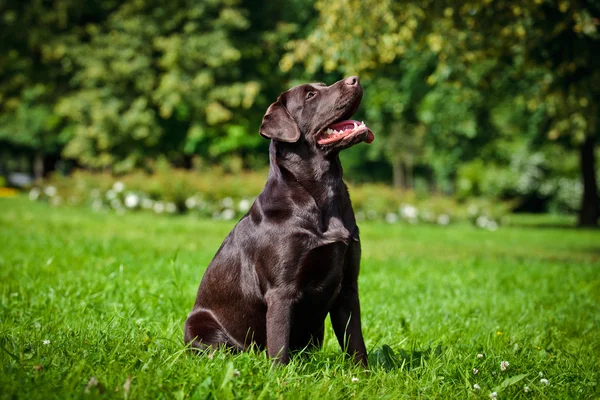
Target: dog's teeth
<point>355,125</point>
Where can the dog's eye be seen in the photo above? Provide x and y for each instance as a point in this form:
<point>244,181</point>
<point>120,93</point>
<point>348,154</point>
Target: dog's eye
<point>309,95</point>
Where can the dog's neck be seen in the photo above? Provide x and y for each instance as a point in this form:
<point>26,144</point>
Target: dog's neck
<point>320,175</point>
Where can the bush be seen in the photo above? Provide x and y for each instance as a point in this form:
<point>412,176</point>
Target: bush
<point>216,194</point>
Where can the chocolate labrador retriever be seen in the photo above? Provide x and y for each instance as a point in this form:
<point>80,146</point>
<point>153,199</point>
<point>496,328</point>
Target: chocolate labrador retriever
<point>294,258</point>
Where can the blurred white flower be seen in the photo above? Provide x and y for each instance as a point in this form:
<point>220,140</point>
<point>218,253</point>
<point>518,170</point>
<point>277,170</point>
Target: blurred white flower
<point>50,191</point>
<point>443,219</point>
<point>158,207</point>
<point>428,216</point>
<point>132,200</point>
<point>46,342</point>
<point>354,379</point>
<point>228,214</point>
<point>244,205</point>
<point>111,194</point>
<point>408,211</point>
<point>115,203</point>
<point>482,221</point>
<point>544,381</point>
<point>171,208</point>
<point>147,203</point>
<point>190,202</point>
<point>94,193</point>
<point>541,374</point>
<point>504,365</point>
<point>96,205</point>
<point>526,389</point>
<point>475,371</point>
<point>492,225</point>
<point>227,202</point>
<point>473,209</point>
<point>479,355</point>
<point>476,387</point>
<point>56,200</point>
<point>236,373</point>
<point>493,395</point>
<point>118,186</point>
<point>391,218</point>
<point>34,193</point>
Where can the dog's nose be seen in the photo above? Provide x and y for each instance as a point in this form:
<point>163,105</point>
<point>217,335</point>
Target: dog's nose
<point>352,81</point>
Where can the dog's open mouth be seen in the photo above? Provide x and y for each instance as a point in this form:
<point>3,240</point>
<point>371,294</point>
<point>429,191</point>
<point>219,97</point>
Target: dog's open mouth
<point>345,130</point>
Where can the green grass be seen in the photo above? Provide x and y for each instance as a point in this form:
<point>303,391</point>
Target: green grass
<point>110,293</point>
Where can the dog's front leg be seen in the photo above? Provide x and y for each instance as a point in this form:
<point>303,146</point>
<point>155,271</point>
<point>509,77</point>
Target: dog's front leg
<point>345,319</point>
<point>279,321</point>
<point>345,312</point>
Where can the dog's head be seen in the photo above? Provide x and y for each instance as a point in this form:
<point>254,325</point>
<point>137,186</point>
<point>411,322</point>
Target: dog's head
<point>318,115</point>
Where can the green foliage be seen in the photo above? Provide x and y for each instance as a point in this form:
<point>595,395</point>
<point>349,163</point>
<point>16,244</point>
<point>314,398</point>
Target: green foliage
<point>105,296</point>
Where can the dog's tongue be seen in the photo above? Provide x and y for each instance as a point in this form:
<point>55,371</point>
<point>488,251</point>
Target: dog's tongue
<point>347,125</point>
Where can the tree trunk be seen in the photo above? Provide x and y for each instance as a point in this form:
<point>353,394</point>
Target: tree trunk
<point>38,167</point>
<point>590,209</point>
<point>398,173</point>
<point>409,178</point>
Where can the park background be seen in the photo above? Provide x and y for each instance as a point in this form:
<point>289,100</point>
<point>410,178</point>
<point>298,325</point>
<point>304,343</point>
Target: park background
<point>479,108</point>
<point>129,148</point>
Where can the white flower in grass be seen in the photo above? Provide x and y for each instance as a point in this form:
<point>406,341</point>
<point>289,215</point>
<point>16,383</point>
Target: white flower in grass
<point>46,342</point>
<point>118,186</point>
<point>147,204</point>
<point>228,214</point>
<point>492,226</point>
<point>472,209</point>
<point>409,212</point>
<point>50,191</point>
<point>132,200</point>
<point>504,365</point>
<point>443,219</point>
<point>479,355</point>
<point>158,207</point>
<point>475,371</point>
<point>236,373</point>
<point>354,379</point>
<point>115,203</point>
<point>96,205</point>
<point>171,208</point>
<point>482,221</point>
<point>493,395</point>
<point>34,194</point>
<point>111,194</point>
<point>244,205</point>
<point>544,381</point>
<point>526,389</point>
<point>227,202</point>
<point>476,387</point>
<point>541,374</point>
<point>391,218</point>
<point>94,193</point>
<point>190,202</point>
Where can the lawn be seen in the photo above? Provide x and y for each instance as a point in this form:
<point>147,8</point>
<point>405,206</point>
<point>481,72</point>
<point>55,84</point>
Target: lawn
<point>93,305</point>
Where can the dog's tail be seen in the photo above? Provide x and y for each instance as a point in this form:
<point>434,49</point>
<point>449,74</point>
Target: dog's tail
<point>203,331</point>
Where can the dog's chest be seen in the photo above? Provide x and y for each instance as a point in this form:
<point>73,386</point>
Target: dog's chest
<point>322,267</point>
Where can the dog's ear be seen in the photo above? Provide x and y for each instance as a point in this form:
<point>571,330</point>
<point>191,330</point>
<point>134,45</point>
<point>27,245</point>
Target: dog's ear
<point>278,124</point>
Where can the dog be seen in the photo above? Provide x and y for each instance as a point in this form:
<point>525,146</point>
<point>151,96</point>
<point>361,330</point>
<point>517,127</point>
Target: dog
<point>294,257</point>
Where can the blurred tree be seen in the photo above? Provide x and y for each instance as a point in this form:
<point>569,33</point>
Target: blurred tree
<point>481,48</point>
<point>34,75</point>
<point>158,78</point>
